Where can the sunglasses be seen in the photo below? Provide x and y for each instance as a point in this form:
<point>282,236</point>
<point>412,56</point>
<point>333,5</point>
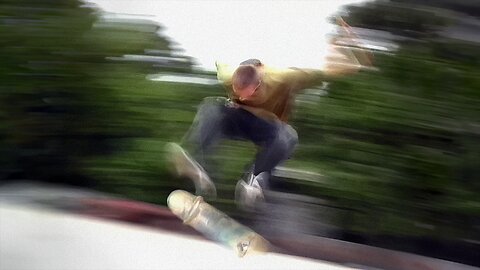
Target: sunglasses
<point>245,94</point>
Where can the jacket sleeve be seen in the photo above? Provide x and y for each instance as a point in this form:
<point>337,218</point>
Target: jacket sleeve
<point>299,79</point>
<point>347,62</point>
<point>224,73</point>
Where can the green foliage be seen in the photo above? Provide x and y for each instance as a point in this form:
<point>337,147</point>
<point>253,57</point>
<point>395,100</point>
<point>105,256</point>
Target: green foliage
<point>400,146</point>
<point>63,99</point>
<point>397,17</point>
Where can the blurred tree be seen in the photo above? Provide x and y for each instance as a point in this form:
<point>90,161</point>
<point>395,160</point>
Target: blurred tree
<point>400,146</point>
<point>66,92</point>
<point>468,7</point>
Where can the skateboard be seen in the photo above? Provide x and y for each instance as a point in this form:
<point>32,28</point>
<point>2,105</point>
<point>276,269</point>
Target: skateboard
<point>216,225</point>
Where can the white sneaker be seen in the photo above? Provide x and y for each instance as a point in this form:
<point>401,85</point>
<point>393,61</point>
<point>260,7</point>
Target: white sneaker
<point>249,195</point>
<point>185,166</point>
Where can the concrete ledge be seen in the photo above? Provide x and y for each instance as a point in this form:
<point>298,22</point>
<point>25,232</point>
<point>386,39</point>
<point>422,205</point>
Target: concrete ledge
<point>356,254</point>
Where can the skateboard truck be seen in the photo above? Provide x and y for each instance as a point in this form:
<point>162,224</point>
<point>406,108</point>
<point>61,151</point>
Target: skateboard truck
<point>242,248</point>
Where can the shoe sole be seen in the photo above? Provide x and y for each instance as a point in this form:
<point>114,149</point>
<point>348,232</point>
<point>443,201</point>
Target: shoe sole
<point>241,199</point>
<point>184,165</point>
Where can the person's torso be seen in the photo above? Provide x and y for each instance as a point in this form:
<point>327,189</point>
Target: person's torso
<point>274,96</point>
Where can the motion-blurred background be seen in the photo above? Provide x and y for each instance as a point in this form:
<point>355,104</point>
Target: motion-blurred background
<point>387,157</point>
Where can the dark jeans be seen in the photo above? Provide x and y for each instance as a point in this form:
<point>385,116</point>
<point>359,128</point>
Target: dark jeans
<point>217,120</point>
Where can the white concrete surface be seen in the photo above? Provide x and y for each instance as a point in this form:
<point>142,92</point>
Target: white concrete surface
<point>41,239</point>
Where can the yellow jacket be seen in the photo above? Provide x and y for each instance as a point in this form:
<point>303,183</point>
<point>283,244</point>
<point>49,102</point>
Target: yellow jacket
<point>275,96</point>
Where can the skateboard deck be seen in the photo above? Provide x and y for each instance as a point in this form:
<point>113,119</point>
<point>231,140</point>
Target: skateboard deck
<point>216,225</point>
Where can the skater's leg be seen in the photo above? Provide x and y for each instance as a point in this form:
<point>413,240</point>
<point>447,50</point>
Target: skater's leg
<point>204,133</point>
<point>276,142</point>
<point>276,149</point>
<point>206,129</point>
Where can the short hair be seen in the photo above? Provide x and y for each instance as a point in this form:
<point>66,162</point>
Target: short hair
<point>244,76</point>
<point>252,61</point>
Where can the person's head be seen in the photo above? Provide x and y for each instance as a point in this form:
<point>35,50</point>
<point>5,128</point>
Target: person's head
<point>247,78</point>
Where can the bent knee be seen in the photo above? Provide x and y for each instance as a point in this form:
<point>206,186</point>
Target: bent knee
<point>287,140</point>
<point>291,136</point>
<point>214,101</point>
<point>211,106</point>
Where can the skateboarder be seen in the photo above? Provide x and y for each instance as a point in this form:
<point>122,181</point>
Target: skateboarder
<point>259,102</point>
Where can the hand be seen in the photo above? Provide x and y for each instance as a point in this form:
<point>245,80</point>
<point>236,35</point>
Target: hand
<point>346,27</point>
<point>341,22</point>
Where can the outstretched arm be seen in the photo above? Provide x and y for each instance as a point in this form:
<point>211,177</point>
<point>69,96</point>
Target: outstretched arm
<point>224,72</point>
<point>364,57</point>
<point>347,59</point>
<point>343,60</point>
